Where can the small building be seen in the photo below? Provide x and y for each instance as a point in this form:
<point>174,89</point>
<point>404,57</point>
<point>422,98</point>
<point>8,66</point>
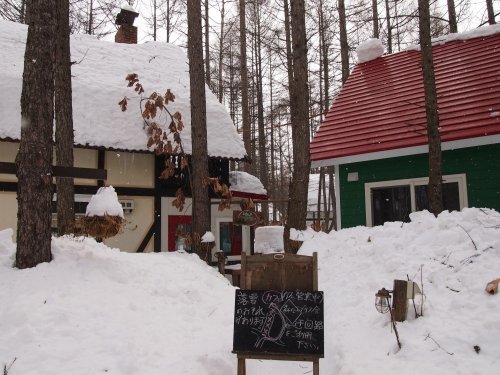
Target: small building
<point>375,132</point>
<point>109,139</point>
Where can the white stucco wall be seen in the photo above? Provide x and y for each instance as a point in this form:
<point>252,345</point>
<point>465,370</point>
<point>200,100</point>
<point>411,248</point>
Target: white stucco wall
<point>130,169</point>
<point>8,207</point>
<point>138,223</point>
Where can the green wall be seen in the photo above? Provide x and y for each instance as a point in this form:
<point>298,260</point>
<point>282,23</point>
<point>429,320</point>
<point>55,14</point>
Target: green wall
<point>480,164</point>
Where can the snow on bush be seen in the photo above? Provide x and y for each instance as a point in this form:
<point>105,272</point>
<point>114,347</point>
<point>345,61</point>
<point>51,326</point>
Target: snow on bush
<point>105,202</point>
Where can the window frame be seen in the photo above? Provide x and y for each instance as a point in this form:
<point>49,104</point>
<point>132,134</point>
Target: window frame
<point>461,179</point>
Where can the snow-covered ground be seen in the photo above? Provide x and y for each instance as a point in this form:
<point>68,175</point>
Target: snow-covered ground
<point>95,310</point>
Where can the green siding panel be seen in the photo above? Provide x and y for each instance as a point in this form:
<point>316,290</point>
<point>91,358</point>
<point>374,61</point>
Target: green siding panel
<point>480,164</point>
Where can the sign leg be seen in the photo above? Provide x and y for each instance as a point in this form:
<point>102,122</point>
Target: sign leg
<point>241,366</point>
<point>316,366</point>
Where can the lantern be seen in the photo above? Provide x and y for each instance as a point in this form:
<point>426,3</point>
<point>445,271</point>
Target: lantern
<point>382,301</point>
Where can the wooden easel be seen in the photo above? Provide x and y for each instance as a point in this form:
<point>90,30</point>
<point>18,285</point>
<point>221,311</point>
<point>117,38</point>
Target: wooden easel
<point>279,271</point>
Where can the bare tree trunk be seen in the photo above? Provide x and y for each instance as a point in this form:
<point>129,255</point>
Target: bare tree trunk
<point>452,16</point>
<point>207,44</point>
<point>260,118</point>
<point>297,206</point>
<point>389,27</point>
<point>64,121</point>
<point>34,159</point>
<point>245,115</point>
<point>221,52</point>
<point>289,58</point>
<point>344,46</point>
<point>90,26</point>
<point>431,108</point>
<point>375,19</point>
<point>332,200</point>
<point>154,20</point>
<point>167,21</point>
<point>491,12</point>
<point>293,106</point>
<point>321,188</point>
<point>201,201</point>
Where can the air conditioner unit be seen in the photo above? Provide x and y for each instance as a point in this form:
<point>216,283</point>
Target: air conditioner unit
<point>127,205</point>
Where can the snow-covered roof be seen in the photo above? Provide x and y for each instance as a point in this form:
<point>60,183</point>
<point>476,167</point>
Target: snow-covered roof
<point>243,182</point>
<point>99,84</point>
<point>466,35</point>
<point>380,109</point>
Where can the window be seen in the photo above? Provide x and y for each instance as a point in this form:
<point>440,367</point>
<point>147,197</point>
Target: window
<point>395,200</point>
<point>80,207</point>
<point>391,204</point>
<point>229,237</point>
<point>179,226</point>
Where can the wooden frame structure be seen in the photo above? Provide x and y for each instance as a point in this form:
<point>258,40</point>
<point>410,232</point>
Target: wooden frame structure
<point>280,271</point>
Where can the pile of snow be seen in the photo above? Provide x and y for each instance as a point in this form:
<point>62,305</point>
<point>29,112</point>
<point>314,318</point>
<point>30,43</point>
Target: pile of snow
<point>208,237</point>
<point>269,240</point>
<point>127,6</point>
<point>246,183</point>
<point>369,50</point>
<point>452,257</point>
<point>105,202</point>
<point>96,310</point>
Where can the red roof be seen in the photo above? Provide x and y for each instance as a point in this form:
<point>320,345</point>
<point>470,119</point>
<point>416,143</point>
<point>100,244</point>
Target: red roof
<point>381,106</point>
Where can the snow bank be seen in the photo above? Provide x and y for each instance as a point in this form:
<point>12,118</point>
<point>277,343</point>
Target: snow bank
<point>96,310</point>
<point>455,255</point>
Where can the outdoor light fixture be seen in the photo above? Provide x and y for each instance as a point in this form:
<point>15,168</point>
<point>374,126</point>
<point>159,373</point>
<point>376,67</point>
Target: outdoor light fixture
<point>383,305</point>
<point>382,301</point>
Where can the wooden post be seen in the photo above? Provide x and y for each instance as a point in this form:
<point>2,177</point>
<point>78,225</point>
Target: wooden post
<point>316,366</point>
<point>221,261</point>
<point>241,366</point>
<point>399,302</point>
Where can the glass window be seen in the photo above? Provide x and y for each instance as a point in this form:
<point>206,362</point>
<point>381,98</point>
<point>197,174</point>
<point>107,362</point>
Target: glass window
<point>230,238</point>
<point>451,197</point>
<point>181,231</point>
<point>391,204</point>
<point>395,200</point>
<point>179,226</point>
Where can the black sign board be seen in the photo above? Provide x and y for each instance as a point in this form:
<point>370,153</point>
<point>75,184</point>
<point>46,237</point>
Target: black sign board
<point>280,322</point>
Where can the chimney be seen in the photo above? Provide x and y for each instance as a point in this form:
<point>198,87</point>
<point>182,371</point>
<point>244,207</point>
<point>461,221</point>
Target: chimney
<point>127,32</point>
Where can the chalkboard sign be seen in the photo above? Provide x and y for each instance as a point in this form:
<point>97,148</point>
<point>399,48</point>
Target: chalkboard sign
<point>281,322</point>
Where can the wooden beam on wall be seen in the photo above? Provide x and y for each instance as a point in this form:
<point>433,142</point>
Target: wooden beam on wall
<point>58,171</point>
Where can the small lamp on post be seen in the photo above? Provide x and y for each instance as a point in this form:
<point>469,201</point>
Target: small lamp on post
<point>383,305</point>
<point>383,301</point>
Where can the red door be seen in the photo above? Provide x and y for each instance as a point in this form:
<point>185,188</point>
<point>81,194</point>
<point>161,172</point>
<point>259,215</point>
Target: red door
<point>178,227</point>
